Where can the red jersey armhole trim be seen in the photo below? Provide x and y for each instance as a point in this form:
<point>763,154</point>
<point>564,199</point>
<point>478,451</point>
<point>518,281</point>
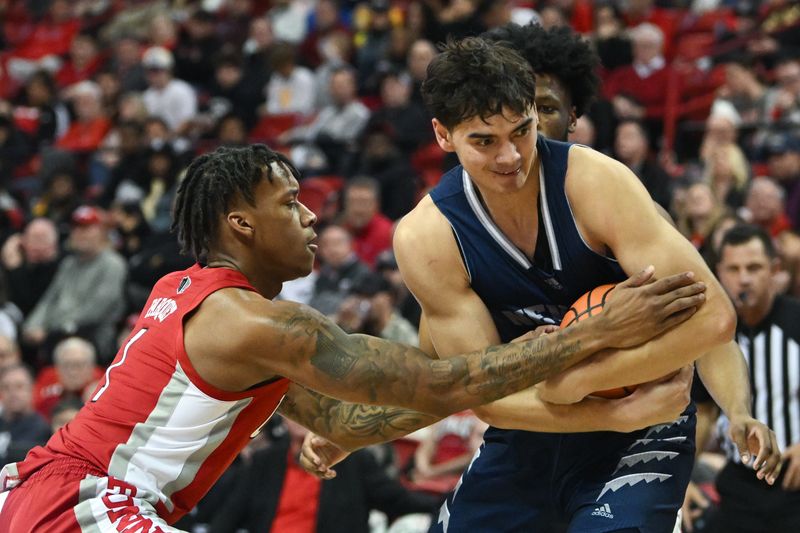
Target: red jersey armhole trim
<point>235,280</point>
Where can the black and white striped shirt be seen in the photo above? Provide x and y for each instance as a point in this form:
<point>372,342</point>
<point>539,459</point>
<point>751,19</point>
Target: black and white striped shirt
<point>772,352</point>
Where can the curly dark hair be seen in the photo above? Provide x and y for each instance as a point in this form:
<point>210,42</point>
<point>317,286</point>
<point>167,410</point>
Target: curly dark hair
<point>559,52</point>
<point>212,181</point>
<point>473,77</point>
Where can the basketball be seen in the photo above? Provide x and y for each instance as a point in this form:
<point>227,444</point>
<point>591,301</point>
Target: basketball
<point>588,305</point>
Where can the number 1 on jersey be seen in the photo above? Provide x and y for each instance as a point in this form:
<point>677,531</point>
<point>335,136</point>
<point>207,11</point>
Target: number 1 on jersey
<point>124,356</point>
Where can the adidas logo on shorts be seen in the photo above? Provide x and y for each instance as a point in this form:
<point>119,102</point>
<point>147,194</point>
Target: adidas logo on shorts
<point>604,510</point>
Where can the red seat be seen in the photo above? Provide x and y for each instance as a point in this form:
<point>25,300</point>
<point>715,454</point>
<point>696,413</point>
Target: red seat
<point>269,127</point>
<point>694,45</point>
<point>690,94</point>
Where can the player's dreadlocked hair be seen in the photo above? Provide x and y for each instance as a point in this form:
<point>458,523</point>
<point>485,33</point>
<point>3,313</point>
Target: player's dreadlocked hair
<point>477,78</point>
<point>559,52</point>
<point>212,181</point>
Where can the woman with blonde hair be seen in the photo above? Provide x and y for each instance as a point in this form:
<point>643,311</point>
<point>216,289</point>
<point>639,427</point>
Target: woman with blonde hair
<point>727,173</point>
<point>699,214</point>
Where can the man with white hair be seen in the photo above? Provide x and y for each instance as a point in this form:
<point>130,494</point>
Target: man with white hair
<point>646,79</point>
<point>73,375</point>
<point>166,97</point>
<point>91,125</point>
<point>722,128</point>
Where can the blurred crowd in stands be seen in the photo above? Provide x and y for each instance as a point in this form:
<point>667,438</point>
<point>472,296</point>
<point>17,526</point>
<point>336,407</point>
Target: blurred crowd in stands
<point>104,102</point>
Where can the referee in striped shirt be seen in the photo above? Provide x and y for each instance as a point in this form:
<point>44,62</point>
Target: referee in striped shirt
<point>769,336</point>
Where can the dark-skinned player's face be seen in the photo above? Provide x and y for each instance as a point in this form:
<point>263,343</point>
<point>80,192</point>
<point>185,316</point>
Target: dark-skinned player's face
<point>283,227</point>
<point>554,105</point>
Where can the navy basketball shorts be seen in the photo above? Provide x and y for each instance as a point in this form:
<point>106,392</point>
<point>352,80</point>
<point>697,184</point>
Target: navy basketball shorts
<point>577,483</point>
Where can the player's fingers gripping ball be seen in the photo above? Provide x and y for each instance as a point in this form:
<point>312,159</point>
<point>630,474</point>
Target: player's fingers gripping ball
<point>588,305</point>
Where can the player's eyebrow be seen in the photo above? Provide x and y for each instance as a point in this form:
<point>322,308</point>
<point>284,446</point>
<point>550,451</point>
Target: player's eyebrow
<point>291,193</point>
<point>525,123</point>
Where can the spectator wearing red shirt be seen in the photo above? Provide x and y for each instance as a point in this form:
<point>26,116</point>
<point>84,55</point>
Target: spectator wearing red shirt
<point>50,39</point>
<point>73,375</point>
<point>83,62</point>
<point>87,132</point>
<point>371,230</point>
<point>645,80</point>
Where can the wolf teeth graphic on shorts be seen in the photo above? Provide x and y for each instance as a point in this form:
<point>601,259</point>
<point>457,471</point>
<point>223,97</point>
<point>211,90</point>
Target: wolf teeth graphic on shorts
<point>655,430</point>
<point>644,457</point>
<point>617,483</point>
<point>645,442</point>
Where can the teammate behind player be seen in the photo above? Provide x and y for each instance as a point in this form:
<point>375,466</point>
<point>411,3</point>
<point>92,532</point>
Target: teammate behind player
<point>565,68</point>
<point>211,356</point>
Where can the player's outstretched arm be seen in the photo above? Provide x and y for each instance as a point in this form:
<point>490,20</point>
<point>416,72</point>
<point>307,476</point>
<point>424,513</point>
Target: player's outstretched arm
<point>306,347</point>
<point>365,369</point>
<point>299,343</point>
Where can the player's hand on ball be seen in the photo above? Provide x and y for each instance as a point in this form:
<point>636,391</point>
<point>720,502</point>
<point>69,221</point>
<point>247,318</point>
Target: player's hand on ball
<point>757,445</point>
<point>657,402</point>
<point>639,308</point>
<point>319,455</point>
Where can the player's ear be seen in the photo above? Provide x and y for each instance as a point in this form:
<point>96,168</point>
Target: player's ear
<point>239,223</point>
<point>573,120</point>
<point>443,137</point>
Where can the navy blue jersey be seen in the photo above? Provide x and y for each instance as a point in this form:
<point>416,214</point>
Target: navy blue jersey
<point>521,292</point>
<point>537,482</point>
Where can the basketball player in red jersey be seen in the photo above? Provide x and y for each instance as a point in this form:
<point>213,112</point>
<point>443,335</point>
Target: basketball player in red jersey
<point>211,357</point>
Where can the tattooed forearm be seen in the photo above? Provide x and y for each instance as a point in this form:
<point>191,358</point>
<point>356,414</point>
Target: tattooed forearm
<point>349,425</point>
<point>371,370</point>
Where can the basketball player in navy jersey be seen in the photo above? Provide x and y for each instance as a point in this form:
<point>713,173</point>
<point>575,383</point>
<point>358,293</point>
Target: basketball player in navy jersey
<point>504,244</point>
<point>589,209</point>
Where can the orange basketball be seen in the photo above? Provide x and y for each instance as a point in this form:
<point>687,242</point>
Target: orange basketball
<point>588,305</point>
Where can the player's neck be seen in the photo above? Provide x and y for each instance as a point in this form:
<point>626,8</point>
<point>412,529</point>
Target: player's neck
<point>266,284</point>
<point>516,213</point>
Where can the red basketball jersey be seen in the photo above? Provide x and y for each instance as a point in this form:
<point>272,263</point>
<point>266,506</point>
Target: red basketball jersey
<point>153,421</point>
